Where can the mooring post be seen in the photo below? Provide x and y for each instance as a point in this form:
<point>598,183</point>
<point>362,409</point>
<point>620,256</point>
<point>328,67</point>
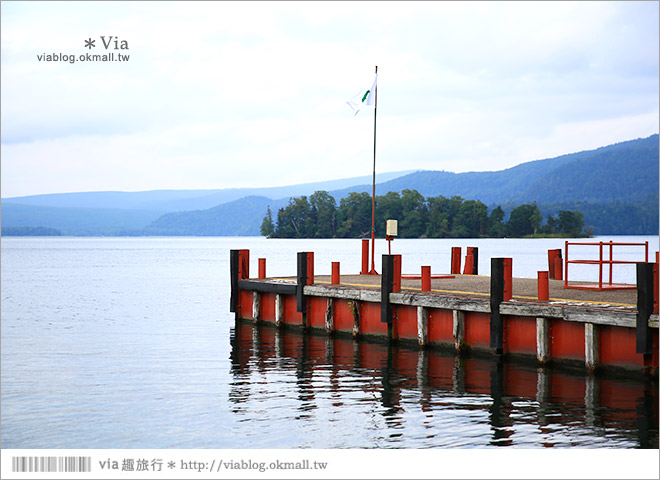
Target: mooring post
<point>559,267</point>
<point>310,268</point>
<point>386,286</point>
<point>496,298</point>
<point>543,286</point>
<point>239,269</point>
<point>262,268</point>
<point>426,278</point>
<point>474,251</point>
<point>656,272</point>
<point>243,264</point>
<point>365,257</point>
<point>396,280</point>
<point>469,265</point>
<point>551,263</point>
<point>390,282</point>
<point>335,278</point>
<point>456,260</point>
<point>645,296</point>
<point>301,279</point>
<point>552,255</point>
<point>233,278</point>
<point>508,278</point>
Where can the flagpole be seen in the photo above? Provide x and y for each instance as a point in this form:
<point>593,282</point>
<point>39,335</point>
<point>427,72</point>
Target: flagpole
<point>373,189</point>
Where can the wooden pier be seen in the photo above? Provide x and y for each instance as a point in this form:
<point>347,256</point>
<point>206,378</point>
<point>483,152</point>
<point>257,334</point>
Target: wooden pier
<point>499,315</point>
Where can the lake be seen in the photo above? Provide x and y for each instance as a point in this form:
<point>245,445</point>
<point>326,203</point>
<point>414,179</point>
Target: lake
<point>129,343</point>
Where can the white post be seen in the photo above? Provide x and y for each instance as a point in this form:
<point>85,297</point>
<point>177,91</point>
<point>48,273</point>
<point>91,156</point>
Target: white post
<point>256,305</point>
<point>591,346</point>
<point>422,330</point>
<point>458,328</point>
<point>330,316</point>
<point>542,340</point>
<point>279,310</point>
<point>355,309</point>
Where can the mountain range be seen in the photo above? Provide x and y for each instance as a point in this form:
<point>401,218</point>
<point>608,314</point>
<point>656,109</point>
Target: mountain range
<point>615,187</point>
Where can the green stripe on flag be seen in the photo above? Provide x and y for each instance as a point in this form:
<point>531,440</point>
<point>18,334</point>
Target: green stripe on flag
<point>365,96</point>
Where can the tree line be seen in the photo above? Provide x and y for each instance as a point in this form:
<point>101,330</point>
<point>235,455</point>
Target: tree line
<point>30,232</point>
<point>319,216</point>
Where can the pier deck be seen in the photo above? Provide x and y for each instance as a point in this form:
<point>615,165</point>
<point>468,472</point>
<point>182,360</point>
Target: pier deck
<point>524,289</point>
<point>497,314</point>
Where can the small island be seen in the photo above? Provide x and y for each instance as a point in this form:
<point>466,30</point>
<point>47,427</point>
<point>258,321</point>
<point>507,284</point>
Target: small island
<point>435,217</point>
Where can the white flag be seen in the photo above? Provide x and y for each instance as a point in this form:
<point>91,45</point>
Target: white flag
<point>365,97</point>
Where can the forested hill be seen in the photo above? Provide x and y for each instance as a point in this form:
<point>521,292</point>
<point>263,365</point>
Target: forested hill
<point>615,187</point>
<point>623,172</point>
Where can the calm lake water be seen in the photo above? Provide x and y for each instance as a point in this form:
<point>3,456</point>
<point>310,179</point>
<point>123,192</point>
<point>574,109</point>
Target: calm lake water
<point>129,343</point>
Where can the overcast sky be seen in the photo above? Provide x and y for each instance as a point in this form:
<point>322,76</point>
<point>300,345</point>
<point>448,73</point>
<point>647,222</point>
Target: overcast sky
<point>246,94</point>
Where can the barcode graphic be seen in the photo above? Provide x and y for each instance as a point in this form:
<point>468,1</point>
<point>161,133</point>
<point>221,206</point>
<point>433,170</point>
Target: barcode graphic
<point>51,464</point>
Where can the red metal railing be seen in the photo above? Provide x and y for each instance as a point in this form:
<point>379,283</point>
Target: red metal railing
<point>605,259</point>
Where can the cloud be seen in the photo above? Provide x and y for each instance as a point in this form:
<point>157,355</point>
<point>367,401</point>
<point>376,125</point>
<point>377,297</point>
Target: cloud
<point>222,94</point>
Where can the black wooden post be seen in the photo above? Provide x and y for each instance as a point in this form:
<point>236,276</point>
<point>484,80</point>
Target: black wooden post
<point>475,257</point>
<point>496,298</point>
<point>386,286</point>
<point>302,281</point>
<point>644,307</point>
<point>497,410</point>
<point>233,274</point>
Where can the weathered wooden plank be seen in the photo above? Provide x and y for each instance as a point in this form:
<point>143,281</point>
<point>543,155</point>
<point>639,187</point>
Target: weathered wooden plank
<point>600,317</point>
<point>531,310</point>
<point>267,287</point>
<point>435,301</point>
<point>347,293</point>
<point>572,313</point>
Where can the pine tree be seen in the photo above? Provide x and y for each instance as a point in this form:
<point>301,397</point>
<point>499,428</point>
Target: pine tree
<point>267,227</point>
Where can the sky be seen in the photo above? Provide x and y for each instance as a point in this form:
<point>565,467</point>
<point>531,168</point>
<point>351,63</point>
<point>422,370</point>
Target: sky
<point>250,94</point>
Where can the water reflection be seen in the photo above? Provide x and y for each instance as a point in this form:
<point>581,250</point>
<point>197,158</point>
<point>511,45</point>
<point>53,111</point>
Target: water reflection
<point>334,393</point>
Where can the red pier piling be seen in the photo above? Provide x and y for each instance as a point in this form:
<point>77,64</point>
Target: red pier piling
<point>543,286</point>
<point>552,256</point>
<point>469,265</point>
<point>456,260</point>
<point>335,273</point>
<point>508,278</point>
<point>365,257</point>
<point>426,278</point>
